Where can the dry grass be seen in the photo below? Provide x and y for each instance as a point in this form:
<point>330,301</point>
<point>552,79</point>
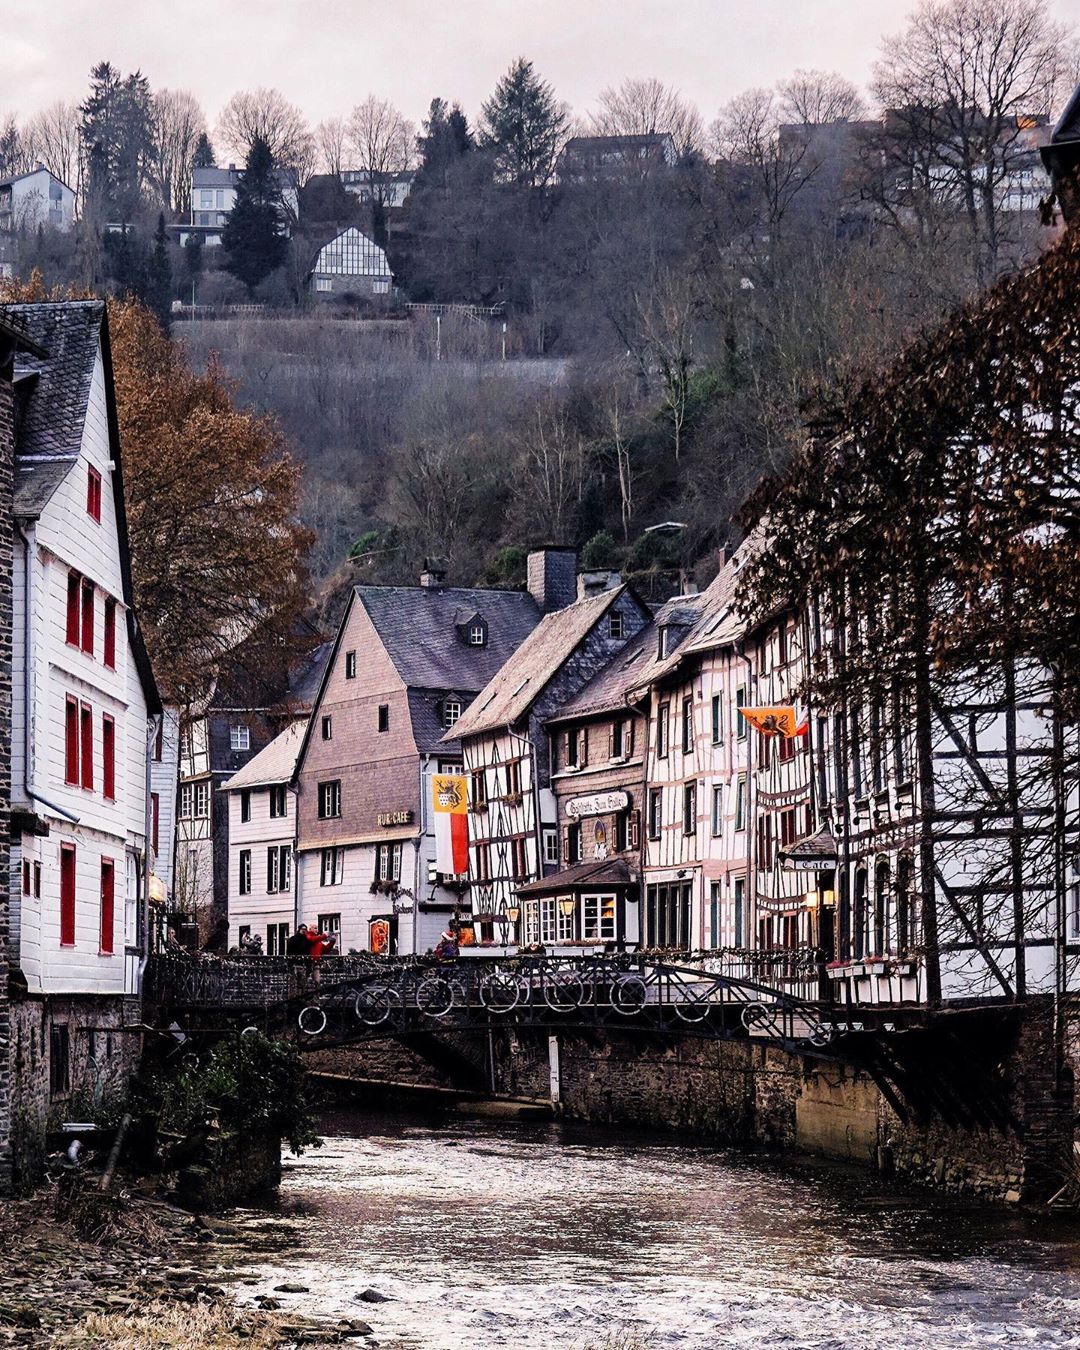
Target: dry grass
<point>177,1326</point>
<point>619,1340</point>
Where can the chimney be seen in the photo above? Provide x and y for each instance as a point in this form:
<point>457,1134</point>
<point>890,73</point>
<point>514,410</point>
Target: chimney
<point>434,574</point>
<point>724,554</point>
<point>593,580</point>
<point>1062,160</point>
<point>551,578</point>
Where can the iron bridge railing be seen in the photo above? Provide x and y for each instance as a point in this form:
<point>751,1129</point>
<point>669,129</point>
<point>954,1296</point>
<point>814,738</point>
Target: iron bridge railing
<point>351,999</point>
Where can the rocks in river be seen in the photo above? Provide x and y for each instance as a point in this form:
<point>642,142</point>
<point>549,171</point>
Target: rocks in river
<point>291,1289</point>
<point>267,1303</point>
<point>373,1296</point>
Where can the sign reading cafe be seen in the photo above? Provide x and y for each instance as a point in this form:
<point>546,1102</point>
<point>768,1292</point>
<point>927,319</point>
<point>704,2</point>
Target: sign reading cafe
<point>597,804</point>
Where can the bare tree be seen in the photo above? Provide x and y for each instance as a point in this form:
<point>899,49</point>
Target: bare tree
<point>553,475</point>
<point>331,138</point>
<point>384,143</point>
<point>645,108</point>
<point>961,84</point>
<point>668,311</point>
<point>53,135</point>
<point>819,96</point>
<point>266,114</point>
<point>178,123</point>
<point>747,136</point>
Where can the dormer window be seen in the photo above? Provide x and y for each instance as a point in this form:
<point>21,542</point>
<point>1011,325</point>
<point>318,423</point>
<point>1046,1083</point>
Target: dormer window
<point>451,711</point>
<point>661,642</point>
<point>616,625</point>
<point>477,633</point>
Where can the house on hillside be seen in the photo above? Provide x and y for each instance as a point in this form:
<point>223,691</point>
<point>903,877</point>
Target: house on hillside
<point>37,198</point>
<point>407,663</point>
<point>350,266</point>
<point>395,187</point>
<point>213,196</point>
<point>591,157</point>
<point>85,717</point>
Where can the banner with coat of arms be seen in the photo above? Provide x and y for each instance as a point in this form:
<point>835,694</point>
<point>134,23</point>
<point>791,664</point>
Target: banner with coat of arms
<point>449,807</point>
<point>782,721</point>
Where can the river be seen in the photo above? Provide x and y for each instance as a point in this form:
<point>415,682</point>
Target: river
<point>492,1236</point>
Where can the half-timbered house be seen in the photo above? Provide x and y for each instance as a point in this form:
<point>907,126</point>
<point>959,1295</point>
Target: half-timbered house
<point>513,821</point>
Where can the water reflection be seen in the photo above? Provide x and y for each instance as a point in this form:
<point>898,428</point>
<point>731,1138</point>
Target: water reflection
<point>541,1237</point>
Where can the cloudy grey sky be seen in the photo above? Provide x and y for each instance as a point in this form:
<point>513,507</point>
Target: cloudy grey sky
<point>329,54</point>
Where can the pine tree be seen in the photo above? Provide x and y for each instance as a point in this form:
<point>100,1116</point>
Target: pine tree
<point>159,277</point>
<point>254,235</point>
<point>116,134</point>
<point>524,125</point>
<point>203,158</point>
<point>446,140</point>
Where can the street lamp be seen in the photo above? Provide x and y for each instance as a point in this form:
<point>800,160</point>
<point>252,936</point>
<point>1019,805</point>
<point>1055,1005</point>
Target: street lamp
<point>513,913</point>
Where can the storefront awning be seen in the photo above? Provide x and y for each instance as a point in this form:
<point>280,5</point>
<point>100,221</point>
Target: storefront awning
<point>600,874</point>
<point>817,853</point>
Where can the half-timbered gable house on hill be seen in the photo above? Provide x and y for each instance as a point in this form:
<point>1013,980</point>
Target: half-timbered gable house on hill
<point>85,716</point>
<point>406,664</point>
<point>513,823</point>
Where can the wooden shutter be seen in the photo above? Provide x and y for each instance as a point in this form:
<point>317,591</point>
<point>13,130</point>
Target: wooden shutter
<point>109,655</point>
<point>633,829</point>
<point>67,895</point>
<point>73,592</point>
<point>611,741</point>
<point>108,756</point>
<point>583,747</point>
<point>108,883</point>
<point>566,844</point>
<point>628,738</point>
<point>88,617</point>
<point>86,746</point>
<point>71,740</point>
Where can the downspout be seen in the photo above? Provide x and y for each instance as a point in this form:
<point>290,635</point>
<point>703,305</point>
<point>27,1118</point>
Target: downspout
<point>294,792</point>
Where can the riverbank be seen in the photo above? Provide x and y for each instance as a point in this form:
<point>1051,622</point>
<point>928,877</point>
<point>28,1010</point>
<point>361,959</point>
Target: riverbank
<point>150,1285</point>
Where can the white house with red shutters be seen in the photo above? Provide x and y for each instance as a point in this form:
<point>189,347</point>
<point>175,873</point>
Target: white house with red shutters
<point>86,712</point>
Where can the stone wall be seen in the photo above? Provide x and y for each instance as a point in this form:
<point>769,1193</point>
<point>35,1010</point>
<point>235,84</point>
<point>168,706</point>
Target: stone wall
<point>103,1047</point>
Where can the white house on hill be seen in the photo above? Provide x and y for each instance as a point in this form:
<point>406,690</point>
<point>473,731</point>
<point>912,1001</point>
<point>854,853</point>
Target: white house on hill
<point>350,264</point>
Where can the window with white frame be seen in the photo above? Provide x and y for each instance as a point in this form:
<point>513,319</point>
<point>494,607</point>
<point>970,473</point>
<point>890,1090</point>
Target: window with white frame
<point>239,736</point>
<point>331,866</point>
<point>184,804</point>
<point>388,862</point>
<point>740,802</point>
<point>245,871</point>
<point>278,801</point>
<point>451,711</point>
<point>323,284</point>
<point>330,799</point>
<point>278,868</point>
<point>716,815</point>
<point>477,634</point>
<point>202,800</point>
<point>597,918</point>
<point>551,847</point>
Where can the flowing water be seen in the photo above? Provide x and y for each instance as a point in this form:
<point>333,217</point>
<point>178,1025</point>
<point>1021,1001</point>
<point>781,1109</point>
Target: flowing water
<point>487,1235</point>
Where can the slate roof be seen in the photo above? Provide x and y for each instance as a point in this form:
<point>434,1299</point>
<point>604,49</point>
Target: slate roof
<point>274,763</point>
<point>419,628</point>
<point>521,681</point>
<point>584,876</point>
<point>51,394</point>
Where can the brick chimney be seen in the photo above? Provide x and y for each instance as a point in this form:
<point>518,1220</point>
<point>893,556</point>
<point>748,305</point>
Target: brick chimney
<point>434,574</point>
<point>551,578</point>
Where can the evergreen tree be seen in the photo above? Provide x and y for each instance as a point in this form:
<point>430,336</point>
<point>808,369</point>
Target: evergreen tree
<point>445,141</point>
<point>159,277</point>
<point>116,131</point>
<point>254,235</point>
<point>203,158</point>
<point>524,125</point>
<point>193,260</point>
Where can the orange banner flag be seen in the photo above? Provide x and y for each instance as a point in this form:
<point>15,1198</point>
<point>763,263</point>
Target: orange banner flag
<point>774,721</point>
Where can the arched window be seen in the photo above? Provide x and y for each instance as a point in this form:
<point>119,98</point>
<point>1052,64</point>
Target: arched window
<point>881,941</point>
<point>862,915</point>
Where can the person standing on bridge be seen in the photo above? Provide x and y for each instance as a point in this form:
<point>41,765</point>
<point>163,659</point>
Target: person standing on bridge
<point>299,944</point>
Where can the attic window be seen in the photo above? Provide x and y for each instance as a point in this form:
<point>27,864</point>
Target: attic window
<point>93,493</point>
<point>477,633</point>
<point>661,642</point>
<point>451,711</point>
<point>616,625</point>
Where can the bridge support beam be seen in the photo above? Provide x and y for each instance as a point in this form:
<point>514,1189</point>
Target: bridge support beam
<point>554,1072</point>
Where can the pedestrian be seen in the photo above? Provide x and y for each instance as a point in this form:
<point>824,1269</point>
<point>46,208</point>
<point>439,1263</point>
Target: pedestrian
<point>299,944</point>
<point>319,942</point>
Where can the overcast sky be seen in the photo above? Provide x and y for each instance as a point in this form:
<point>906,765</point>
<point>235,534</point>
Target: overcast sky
<point>327,55</point>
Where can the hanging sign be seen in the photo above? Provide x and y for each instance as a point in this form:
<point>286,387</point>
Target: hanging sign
<point>597,804</point>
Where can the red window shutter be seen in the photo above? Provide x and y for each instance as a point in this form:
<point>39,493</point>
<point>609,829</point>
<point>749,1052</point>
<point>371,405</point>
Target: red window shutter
<point>108,756</point>
<point>93,493</point>
<point>71,740</point>
<point>86,746</point>
<point>109,655</point>
<point>88,617</point>
<point>155,820</point>
<point>108,893</point>
<point>67,895</point>
<point>73,592</point>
